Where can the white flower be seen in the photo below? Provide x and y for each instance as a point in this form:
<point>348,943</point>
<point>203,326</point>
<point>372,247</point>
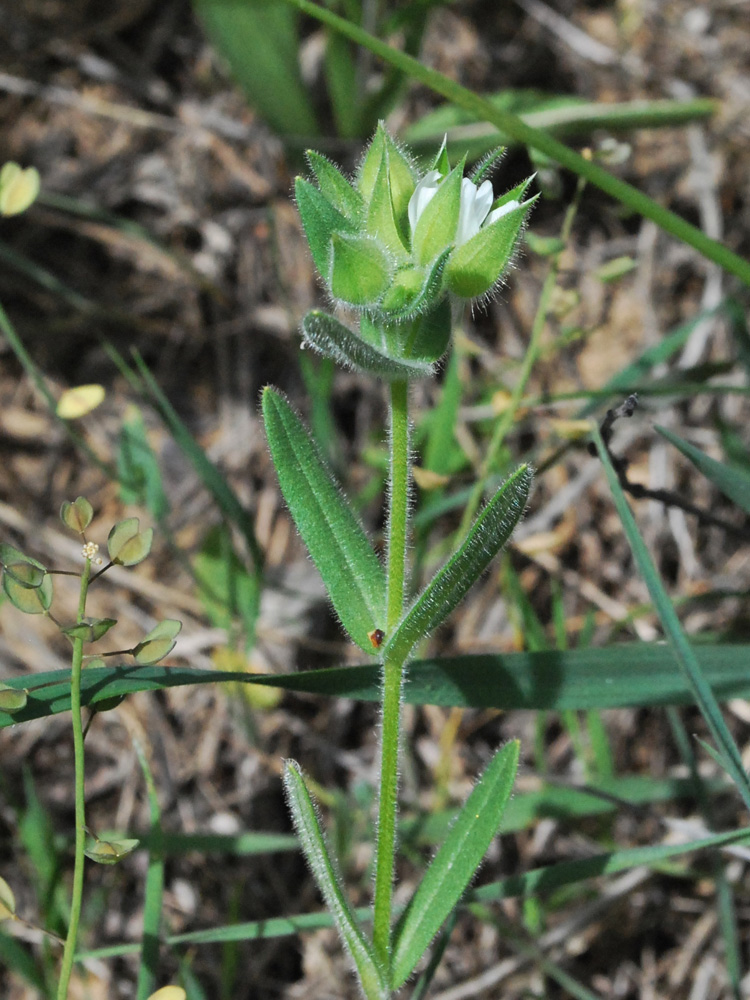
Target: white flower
<point>474,210</point>
<point>424,192</point>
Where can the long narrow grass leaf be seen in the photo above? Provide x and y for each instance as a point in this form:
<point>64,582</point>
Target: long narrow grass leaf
<point>631,674</point>
<point>352,573</point>
<point>539,880</point>
<point>732,480</point>
<point>704,696</point>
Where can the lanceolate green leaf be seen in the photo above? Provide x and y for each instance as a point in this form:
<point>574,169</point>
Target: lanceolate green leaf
<point>630,674</point>
<point>332,339</point>
<point>733,481</point>
<point>490,532</point>
<point>316,852</point>
<point>337,542</point>
<point>455,863</point>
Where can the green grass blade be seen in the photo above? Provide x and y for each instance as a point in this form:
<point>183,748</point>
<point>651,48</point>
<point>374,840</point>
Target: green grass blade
<point>733,481</point>
<point>518,130</point>
<point>704,696</point>
<point>551,877</point>
<point>490,531</point>
<point>539,880</point>
<point>455,863</point>
<point>152,906</point>
<point>316,852</point>
<point>259,41</point>
<point>352,573</point>
<point>631,674</point>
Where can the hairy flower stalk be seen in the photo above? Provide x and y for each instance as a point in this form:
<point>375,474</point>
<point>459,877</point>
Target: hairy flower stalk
<point>400,248</point>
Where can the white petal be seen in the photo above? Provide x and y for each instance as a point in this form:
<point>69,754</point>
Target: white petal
<point>424,192</point>
<point>498,213</point>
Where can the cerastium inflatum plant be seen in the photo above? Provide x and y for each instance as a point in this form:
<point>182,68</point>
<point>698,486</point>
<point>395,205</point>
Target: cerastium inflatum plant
<point>402,250</point>
<point>27,583</point>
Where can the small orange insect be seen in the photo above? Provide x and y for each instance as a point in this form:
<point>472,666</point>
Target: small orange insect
<point>376,637</point>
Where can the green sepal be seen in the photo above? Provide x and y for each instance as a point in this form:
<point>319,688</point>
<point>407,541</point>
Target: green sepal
<point>414,289</point>
<point>402,179</point>
<point>455,863</point>
<point>483,169</point>
<point>361,269</point>
<point>335,538</point>
<point>30,600</point>
<point>426,337</point>
<point>77,515</point>
<point>335,187</point>
<point>90,629</point>
<point>490,531</point>
<point>158,643</point>
<point>479,263</point>
<point>318,857</point>
<point>332,339</point>
<point>441,162</point>
<point>320,221</point>
<point>127,544</point>
<point>369,166</point>
<point>436,227</point>
<point>381,220</point>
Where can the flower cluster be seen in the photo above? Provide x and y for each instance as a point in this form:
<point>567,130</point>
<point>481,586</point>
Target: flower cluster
<point>398,247</point>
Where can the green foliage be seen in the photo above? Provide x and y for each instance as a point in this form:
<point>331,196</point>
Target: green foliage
<point>371,977</point>
<point>455,863</point>
<point>138,470</point>
<point>77,515</point>
<point>450,584</point>
<point>127,544</point>
<point>228,591</point>
<point>158,643</point>
<point>732,480</point>
<point>335,538</point>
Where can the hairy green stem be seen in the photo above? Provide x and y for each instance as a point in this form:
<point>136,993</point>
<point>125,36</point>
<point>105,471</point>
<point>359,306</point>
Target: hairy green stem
<point>392,672</point>
<point>399,502</point>
<point>80,798</point>
<point>508,417</point>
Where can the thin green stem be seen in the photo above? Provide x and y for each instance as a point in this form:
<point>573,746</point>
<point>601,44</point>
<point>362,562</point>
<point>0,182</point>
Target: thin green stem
<point>399,501</point>
<point>392,673</point>
<point>388,807</point>
<point>80,798</point>
<point>508,417</point>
